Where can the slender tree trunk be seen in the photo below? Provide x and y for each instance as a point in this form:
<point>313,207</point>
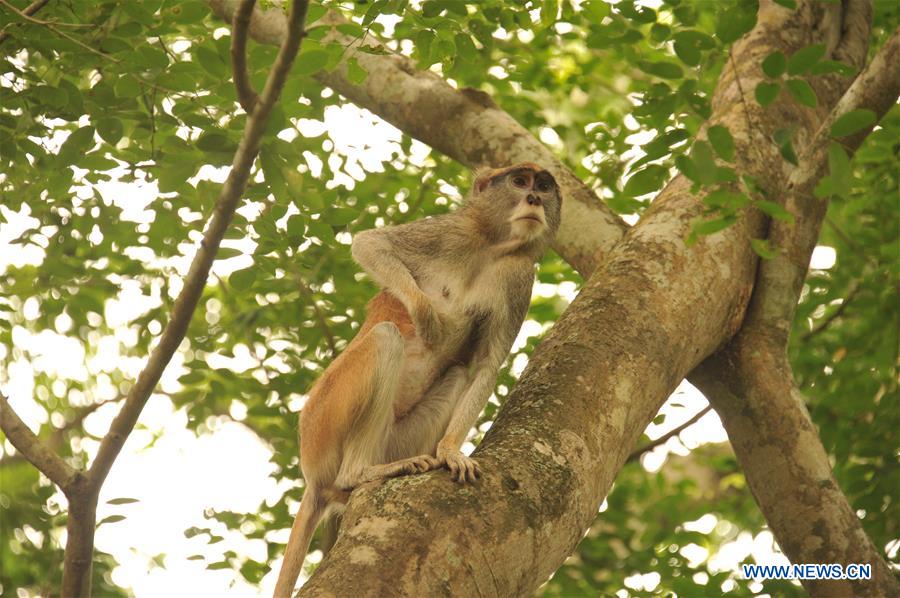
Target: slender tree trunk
<point>80,527</point>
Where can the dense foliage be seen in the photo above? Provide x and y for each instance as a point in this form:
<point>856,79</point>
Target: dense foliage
<point>98,92</point>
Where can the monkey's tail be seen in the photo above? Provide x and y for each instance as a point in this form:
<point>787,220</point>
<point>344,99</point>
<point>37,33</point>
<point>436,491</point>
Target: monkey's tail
<point>312,507</point>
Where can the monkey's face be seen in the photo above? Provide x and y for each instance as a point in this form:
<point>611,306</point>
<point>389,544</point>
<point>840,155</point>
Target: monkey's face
<point>518,203</point>
<point>533,202</point>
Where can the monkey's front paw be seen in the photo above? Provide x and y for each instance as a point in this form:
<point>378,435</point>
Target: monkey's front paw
<point>462,468</point>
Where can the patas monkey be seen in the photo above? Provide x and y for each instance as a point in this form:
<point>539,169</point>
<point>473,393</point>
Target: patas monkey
<point>403,395</point>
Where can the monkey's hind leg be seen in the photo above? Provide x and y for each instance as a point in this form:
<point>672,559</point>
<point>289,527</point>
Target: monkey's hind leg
<point>365,445</point>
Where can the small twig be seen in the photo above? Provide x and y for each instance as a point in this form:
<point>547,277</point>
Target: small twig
<point>26,12</point>
<point>320,317</point>
<point>240,27</point>
<point>825,322</point>
<point>52,28</point>
<point>38,454</point>
<point>417,202</point>
<point>853,245</point>
<point>665,437</point>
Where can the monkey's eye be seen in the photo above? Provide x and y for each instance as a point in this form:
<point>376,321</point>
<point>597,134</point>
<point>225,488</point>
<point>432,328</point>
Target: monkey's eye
<point>520,181</point>
<point>543,186</point>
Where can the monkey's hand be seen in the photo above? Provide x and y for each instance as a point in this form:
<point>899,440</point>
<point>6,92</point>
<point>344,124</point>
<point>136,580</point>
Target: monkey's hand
<point>462,468</point>
<point>430,324</point>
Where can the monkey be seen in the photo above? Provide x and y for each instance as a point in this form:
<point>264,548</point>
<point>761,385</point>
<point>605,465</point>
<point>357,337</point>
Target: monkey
<point>402,396</point>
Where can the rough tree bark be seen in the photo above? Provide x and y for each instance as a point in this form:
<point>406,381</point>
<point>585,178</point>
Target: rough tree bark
<point>653,311</point>
<point>750,380</point>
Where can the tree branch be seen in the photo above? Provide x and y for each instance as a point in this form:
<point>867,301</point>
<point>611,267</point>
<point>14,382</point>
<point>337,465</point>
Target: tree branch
<point>781,278</point>
<point>30,446</point>
<point>463,124</point>
<point>25,13</point>
<point>51,27</point>
<point>638,453</point>
<point>751,385</point>
<point>825,322</point>
<point>196,278</point>
<point>239,29</point>
<point>320,317</point>
<point>83,494</point>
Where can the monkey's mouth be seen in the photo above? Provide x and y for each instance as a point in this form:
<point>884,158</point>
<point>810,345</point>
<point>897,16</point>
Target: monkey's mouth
<point>532,218</point>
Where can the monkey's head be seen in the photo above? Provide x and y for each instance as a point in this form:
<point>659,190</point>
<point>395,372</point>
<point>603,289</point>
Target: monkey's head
<point>521,202</point>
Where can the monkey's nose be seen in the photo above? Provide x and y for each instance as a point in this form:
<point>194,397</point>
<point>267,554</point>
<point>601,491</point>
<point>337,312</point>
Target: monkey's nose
<point>533,200</point>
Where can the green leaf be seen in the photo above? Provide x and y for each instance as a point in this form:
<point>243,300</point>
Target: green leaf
<point>708,227</point>
<point>774,64</point>
<point>465,47</point>
<point>128,87</point>
<point>110,129</point>
<point>215,142</point>
<point>722,142</point>
<point>315,12</point>
<point>722,198</point>
<point>825,67</point>
<point>424,39</point>
<point>211,62</point>
<point>596,9</point>
<point>375,10</point>
<point>689,45</point>
<point>774,210</point>
<point>122,501</point>
<point>787,152</point>
<point>702,156</point>
<point>355,73</point>
<point>443,50</point>
<point>242,280</point>
<point>111,519</point>
<point>824,188</point>
<point>272,171</point>
<point>687,53</point>
<point>802,92</point>
<point>804,58</point>
<point>225,253</point>
<point>661,68</point>
<point>639,14</point>
<point>687,167</point>
<point>341,216</point>
<point>766,93</point>
<point>763,249</point>
<point>310,62</point>
<point>852,122</point>
<point>549,11</point>
<point>76,145</point>
<point>646,181</point>
<point>660,33</point>
<point>732,24</point>
<point>841,175</point>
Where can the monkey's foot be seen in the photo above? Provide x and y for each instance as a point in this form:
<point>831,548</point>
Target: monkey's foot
<point>462,469</point>
<point>419,464</point>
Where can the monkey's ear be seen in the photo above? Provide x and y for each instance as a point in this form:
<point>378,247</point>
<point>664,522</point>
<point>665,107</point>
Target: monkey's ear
<point>483,178</point>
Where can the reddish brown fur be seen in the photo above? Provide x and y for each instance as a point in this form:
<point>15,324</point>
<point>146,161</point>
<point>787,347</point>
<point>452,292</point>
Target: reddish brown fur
<point>384,307</point>
<point>324,421</point>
